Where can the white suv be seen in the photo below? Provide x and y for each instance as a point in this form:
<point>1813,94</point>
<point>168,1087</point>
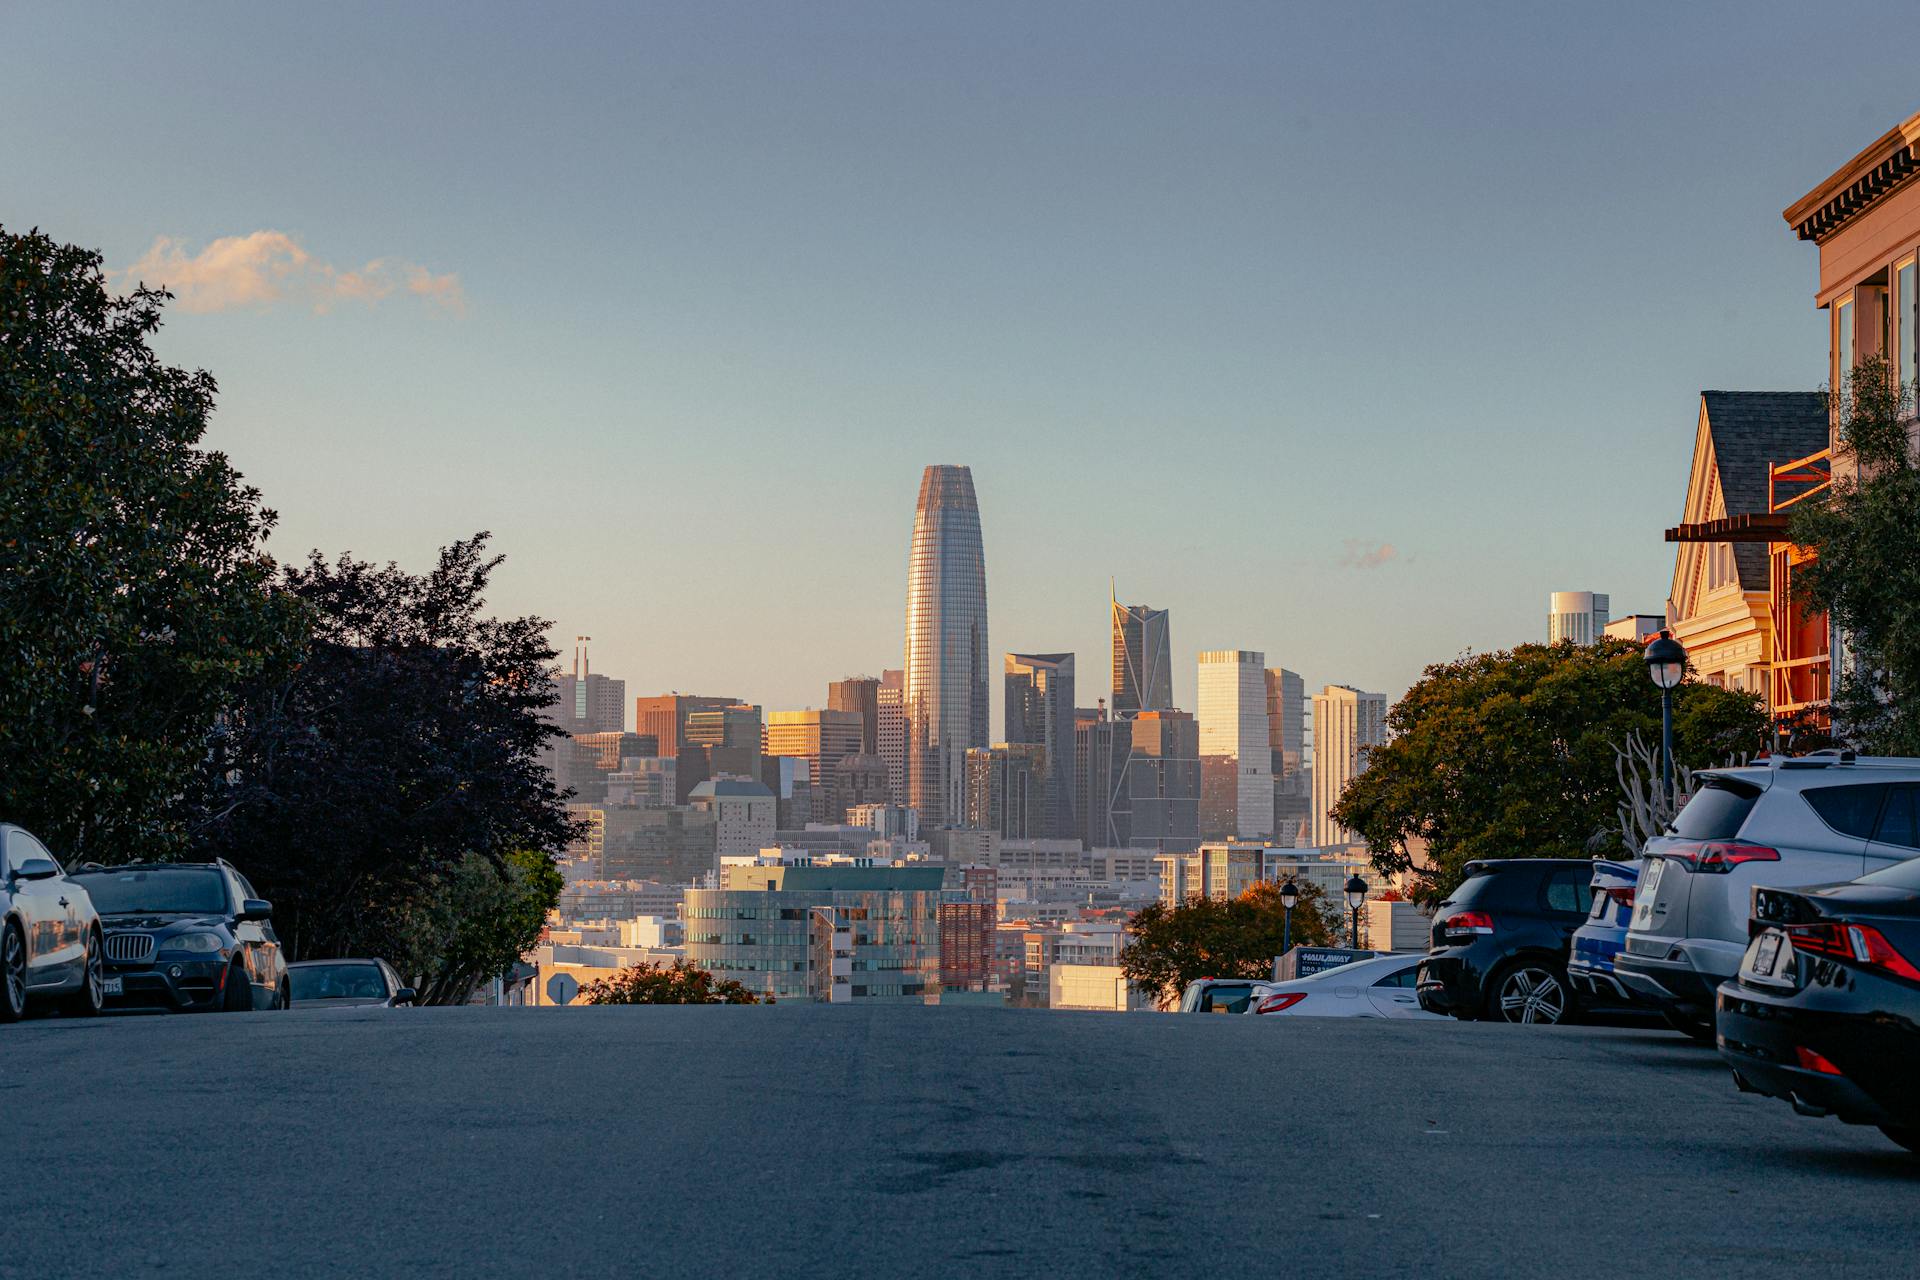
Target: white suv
<point>1807,820</point>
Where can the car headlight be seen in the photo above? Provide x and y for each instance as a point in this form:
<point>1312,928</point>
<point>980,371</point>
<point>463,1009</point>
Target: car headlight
<point>195,942</point>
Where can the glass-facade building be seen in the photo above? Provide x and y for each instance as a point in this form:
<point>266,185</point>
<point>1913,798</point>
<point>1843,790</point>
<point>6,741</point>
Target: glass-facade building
<point>763,928</point>
<point>1142,669</point>
<point>1235,744</point>
<point>945,695</point>
<point>1039,709</point>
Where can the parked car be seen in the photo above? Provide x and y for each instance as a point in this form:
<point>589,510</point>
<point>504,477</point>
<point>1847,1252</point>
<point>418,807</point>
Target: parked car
<point>1381,987</point>
<point>1820,819</point>
<point>1500,942</point>
<point>50,939</point>
<point>187,936</point>
<point>1598,941</point>
<point>1825,1009</point>
<point>1220,995</point>
<point>346,983</point>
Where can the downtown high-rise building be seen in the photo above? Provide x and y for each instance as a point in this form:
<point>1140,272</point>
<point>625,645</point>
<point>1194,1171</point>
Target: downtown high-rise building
<point>891,717</point>
<point>1236,760</point>
<point>584,702</point>
<point>1287,741</point>
<point>1039,709</point>
<point>1142,660</point>
<point>731,737</point>
<point>1347,725</point>
<point>665,717</point>
<point>946,691</point>
<point>823,739</point>
<point>1007,790</point>
<point>859,694</point>
<point>1579,616</point>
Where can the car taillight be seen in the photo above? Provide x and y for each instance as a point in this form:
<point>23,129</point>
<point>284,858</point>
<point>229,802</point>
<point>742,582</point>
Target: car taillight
<point>1278,1001</point>
<point>1861,943</point>
<point>1717,857</point>
<point>1811,1061</point>
<point>1466,924</point>
<point>1621,897</point>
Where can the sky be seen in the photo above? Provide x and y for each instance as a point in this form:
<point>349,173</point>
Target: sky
<point>1345,331</point>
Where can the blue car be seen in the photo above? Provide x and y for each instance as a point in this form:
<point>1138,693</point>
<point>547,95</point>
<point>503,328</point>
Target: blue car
<point>1600,939</point>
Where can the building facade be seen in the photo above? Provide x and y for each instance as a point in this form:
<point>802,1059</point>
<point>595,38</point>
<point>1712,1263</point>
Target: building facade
<point>1007,789</point>
<point>1576,616</point>
<point>1157,792</point>
<point>1142,659</point>
<point>744,814</point>
<point>1347,725</point>
<point>665,717</point>
<point>891,719</point>
<point>946,693</point>
<point>861,695</point>
<point>731,737</point>
<point>587,703</point>
<point>1039,709</point>
<point>1235,744</point>
<point>823,739</point>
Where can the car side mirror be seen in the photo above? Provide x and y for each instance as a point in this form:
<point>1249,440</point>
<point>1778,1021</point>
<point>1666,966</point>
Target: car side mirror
<point>254,909</point>
<point>36,869</point>
<point>405,995</point>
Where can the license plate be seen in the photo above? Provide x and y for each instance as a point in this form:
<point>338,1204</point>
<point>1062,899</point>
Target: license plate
<point>115,986</point>
<point>1645,892</point>
<point>1769,959</point>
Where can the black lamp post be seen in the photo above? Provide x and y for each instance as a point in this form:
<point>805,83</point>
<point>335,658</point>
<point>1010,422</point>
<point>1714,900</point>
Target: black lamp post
<point>1289,899</point>
<point>1356,898</point>
<point>1667,664</point>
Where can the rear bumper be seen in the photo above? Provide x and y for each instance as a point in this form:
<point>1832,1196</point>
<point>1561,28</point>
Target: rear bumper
<point>1759,1032</point>
<point>183,985</point>
<point>1685,977</point>
<point>1447,983</point>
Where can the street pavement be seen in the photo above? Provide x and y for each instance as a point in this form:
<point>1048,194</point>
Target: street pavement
<point>809,1141</point>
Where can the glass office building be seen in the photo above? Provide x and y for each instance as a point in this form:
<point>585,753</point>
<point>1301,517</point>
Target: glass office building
<point>1040,710</point>
<point>946,673</point>
<point>1142,673</point>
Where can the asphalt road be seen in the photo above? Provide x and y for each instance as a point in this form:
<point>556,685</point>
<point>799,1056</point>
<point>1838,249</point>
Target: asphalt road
<point>799,1140</point>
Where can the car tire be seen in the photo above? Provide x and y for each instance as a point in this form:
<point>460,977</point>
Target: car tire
<point>13,973</point>
<point>91,998</point>
<point>1689,1025</point>
<point>283,999</point>
<point>1908,1138</point>
<point>239,993</point>
<point>1531,992</point>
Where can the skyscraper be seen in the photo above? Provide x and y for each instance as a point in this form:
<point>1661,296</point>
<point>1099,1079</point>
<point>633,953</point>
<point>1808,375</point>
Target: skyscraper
<point>1040,709</point>
<point>861,694</point>
<point>586,703</point>
<point>891,717</point>
<point>1007,789</point>
<point>1347,726</point>
<point>665,717</point>
<point>1579,616</point>
<point>1142,671</point>
<point>1236,754</point>
<point>1286,736</point>
<point>1159,785</point>
<point>946,683</point>
<point>824,739</point>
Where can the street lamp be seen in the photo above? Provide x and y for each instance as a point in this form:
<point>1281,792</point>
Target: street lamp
<point>1356,898</point>
<point>1289,899</point>
<point>1667,665</point>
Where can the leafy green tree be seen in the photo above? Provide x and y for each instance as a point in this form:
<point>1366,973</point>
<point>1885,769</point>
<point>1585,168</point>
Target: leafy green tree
<point>676,983</point>
<point>134,593</point>
<point>355,789</point>
<point>1513,755</point>
<point>476,922</point>
<point>1170,947</point>
<point>1865,533</point>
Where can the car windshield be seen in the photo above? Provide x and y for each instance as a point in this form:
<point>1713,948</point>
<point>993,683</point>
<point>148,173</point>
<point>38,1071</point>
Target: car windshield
<point>155,891</point>
<point>356,981</point>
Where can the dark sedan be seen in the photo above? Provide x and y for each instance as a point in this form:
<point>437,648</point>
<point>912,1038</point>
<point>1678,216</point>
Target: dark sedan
<point>1825,1011</point>
<point>186,936</point>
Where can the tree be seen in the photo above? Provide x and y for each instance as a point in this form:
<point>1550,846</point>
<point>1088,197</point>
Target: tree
<point>134,593</point>
<point>676,983</point>
<point>476,923</point>
<point>1513,754</point>
<point>1170,947</point>
<point>1865,535</point>
<point>354,790</point>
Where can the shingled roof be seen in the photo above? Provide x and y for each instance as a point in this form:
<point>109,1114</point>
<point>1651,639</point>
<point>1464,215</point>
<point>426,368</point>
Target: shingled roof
<point>1752,432</point>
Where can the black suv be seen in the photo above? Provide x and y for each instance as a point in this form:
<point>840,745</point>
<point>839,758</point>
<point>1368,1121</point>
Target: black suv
<point>191,936</point>
<point>1500,943</point>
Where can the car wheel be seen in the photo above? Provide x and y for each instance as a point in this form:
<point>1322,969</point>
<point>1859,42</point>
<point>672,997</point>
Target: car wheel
<point>91,998</point>
<point>283,999</point>
<point>1689,1025</point>
<point>1908,1138</point>
<point>1530,991</point>
<point>239,991</point>
<point>13,974</point>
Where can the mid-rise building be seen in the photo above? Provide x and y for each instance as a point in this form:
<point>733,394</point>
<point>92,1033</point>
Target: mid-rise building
<point>644,782</point>
<point>821,931</point>
<point>859,782</point>
<point>860,695</point>
<point>731,737</point>
<point>677,845</point>
<point>744,814</point>
<point>1578,616</point>
<point>1039,709</point>
<point>1099,762</point>
<point>665,717</point>
<point>1347,725</point>
<point>619,900</point>
<point>1007,789</point>
<point>1158,793</point>
<point>823,739</point>
<point>1142,659</point>
<point>946,693</point>
<point>891,717</point>
<point>1236,753</point>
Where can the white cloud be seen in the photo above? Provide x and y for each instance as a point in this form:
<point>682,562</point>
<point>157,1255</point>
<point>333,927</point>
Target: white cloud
<point>264,268</point>
<point>1361,554</point>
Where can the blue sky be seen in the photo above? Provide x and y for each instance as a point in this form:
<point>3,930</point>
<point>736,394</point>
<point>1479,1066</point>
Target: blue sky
<point>1218,300</point>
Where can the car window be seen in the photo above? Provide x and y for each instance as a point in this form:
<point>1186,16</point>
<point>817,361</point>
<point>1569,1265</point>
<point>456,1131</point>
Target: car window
<point>1897,820</point>
<point>1224,999</point>
<point>1849,810</point>
<point>246,889</point>
<point>1716,810</point>
<point>25,847</point>
<point>182,890</point>
<point>1570,890</point>
<point>1400,978</point>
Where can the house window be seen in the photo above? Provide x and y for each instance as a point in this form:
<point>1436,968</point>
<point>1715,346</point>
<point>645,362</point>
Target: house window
<point>1843,345</point>
<point>1908,304</point>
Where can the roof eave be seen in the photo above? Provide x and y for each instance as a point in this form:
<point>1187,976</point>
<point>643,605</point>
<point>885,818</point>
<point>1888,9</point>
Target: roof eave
<point>1896,152</point>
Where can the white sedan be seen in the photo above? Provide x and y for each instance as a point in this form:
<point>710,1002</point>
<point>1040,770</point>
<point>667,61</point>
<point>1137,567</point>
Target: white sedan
<point>1381,987</point>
